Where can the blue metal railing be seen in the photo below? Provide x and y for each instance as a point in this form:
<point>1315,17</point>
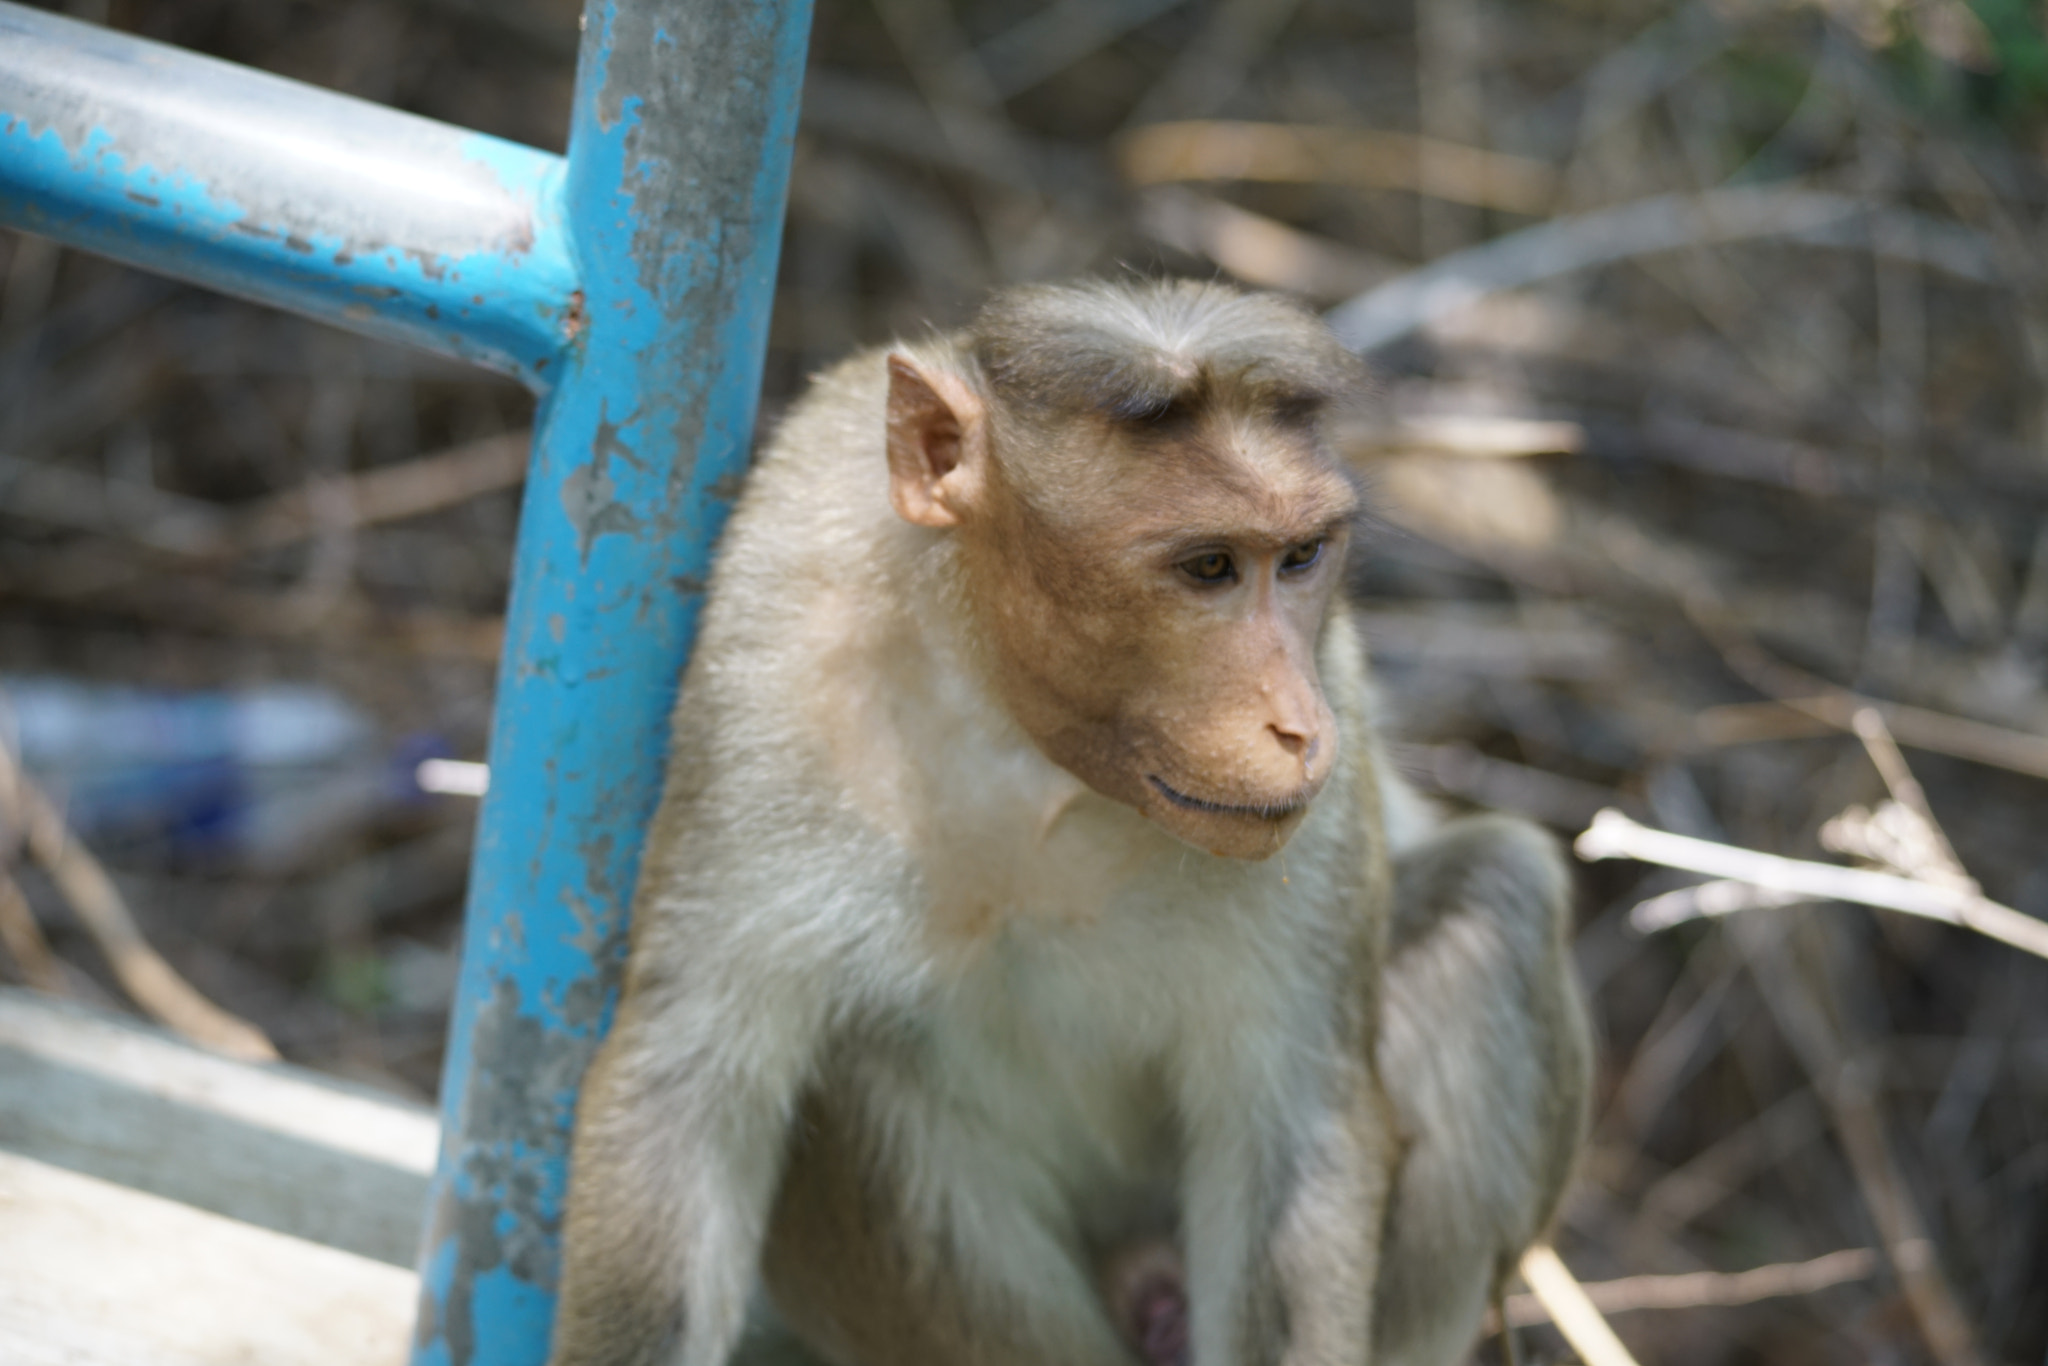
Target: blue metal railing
<point>359,215</point>
<point>629,283</point>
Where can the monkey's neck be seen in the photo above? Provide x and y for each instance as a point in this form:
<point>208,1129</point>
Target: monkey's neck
<point>1000,831</point>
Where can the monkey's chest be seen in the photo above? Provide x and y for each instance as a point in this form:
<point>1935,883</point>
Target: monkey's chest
<point>1104,968</point>
<point>1047,1071</point>
<point>1060,1081</point>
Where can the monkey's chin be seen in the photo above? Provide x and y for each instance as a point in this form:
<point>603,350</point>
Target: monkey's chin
<point>1240,832</point>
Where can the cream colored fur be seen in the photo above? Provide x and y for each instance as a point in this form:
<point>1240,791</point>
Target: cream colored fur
<point>867,891</point>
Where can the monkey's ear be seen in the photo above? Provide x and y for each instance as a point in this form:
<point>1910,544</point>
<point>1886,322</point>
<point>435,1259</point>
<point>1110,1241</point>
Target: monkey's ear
<point>937,441</point>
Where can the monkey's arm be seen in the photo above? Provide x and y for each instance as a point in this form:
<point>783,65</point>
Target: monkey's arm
<point>1327,1247</point>
<point>1283,1204</point>
<point>1486,1056</point>
<point>679,1145</point>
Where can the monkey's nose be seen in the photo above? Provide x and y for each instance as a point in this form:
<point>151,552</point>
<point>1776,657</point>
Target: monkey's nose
<point>1299,744</point>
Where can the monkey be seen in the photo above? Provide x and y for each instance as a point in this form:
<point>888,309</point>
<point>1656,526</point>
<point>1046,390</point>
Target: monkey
<point>1029,892</point>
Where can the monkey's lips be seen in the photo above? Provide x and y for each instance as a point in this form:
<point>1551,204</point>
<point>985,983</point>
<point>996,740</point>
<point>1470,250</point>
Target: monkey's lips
<point>1240,830</point>
<point>1284,809</point>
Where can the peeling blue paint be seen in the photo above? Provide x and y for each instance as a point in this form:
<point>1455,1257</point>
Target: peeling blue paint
<point>679,157</point>
<point>629,284</point>
<point>358,215</point>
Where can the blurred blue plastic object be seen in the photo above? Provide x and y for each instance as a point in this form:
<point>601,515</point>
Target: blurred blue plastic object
<point>254,777</point>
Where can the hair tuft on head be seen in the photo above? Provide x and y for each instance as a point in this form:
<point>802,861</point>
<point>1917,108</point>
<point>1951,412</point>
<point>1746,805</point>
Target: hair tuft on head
<point>1137,352</point>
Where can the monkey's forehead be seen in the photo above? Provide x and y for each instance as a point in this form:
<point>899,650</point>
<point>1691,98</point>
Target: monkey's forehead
<point>1137,351</point>
<point>1222,481</point>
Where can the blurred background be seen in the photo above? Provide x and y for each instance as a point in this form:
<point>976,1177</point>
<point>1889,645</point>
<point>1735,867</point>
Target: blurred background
<point>1714,345</point>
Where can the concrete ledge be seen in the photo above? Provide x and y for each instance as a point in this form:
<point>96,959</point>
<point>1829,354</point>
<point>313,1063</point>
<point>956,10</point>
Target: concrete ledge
<point>274,1146</point>
<point>94,1274</point>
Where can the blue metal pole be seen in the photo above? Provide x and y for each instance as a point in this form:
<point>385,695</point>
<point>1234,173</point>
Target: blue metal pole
<point>352,213</point>
<point>631,286</point>
<point>678,168</point>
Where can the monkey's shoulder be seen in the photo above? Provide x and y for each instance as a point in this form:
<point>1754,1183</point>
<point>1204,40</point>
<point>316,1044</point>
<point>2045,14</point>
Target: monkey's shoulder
<point>831,442</point>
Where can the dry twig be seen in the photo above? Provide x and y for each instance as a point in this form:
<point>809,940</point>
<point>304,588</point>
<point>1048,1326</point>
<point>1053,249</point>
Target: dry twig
<point>153,983</point>
<point>1214,149</point>
<point>1804,1007</point>
<point>1564,1300</point>
<point>1059,35</point>
<point>1689,1191</point>
<point>1613,835</point>
<point>1563,246</point>
<point>24,939</point>
<point>1259,250</point>
<point>1703,1289</point>
<point>1940,863</point>
<point>1471,436</point>
<point>1937,732</point>
<point>390,493</point>
<point>1462,771</point>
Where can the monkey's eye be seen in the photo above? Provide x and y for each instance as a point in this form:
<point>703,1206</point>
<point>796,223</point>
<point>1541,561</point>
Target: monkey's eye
<point>1301,557</point>
<point>1214,567</point>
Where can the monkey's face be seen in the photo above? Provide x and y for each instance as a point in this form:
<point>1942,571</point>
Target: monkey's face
<point>1153,611</point>
<point>1149,533</point>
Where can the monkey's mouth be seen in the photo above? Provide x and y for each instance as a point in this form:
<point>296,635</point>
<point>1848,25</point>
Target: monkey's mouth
<point>1267,811</point>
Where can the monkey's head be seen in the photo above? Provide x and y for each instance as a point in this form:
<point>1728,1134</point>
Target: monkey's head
<point>1150,529</point>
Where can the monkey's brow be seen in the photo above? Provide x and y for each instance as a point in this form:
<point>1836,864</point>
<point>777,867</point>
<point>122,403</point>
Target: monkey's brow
<point>1280,537</point>
<point>1286,397</point>
<point>1258,533</point>
<point>1145,412</point>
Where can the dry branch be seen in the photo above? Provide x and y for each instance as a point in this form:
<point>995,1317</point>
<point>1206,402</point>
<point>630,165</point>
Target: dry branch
<point>1546,641</point>
<point>1472,436</point>
<point>1214,149</point>
<point>1704,900</point>
<point>43,491</point>
<point>348,621</point>
<point>1564,1300</point>
<point>1208,70</point>
<point>1942,863</point>
<point>1682,1195</point>
<point>1721,622</point>
<point>24,939</point>
<point>1716,1289</point>
<point>1256,249</point>
<point>390,493</point>
<point>1805,1007</point>
<point>1936,732</point>
<point>153,983</point>
<point>1059,35</point>
<point>1613,835</point>
<point>1564,246</point>
<point>1462,771</point>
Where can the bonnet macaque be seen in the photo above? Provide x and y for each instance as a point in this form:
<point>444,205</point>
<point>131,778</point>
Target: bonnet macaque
<point>1034,961</point>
